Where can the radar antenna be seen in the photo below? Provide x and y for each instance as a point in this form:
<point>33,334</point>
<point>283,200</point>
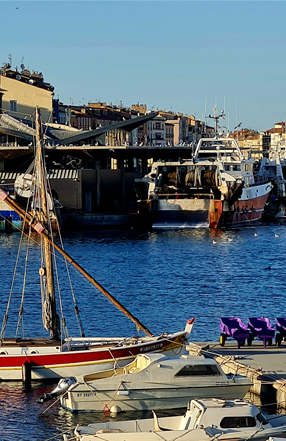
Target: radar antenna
<point>216,118</point>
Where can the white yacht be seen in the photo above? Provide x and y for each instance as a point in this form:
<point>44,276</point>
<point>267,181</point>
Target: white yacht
<point>154,381</point>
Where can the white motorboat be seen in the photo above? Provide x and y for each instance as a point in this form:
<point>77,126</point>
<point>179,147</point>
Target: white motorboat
<point>154,381</point>
<point>204,420</point>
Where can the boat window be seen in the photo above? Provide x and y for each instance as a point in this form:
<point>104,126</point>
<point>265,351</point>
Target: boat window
<point>236,167</point>
<point>227,167</point>
<point>231,422</point>
<point>198,370</point>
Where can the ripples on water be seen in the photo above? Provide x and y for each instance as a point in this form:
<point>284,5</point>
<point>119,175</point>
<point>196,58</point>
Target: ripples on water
<point>163,278</point>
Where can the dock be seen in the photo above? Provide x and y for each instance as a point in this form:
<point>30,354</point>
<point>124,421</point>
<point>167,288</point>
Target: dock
<point>265,368</point>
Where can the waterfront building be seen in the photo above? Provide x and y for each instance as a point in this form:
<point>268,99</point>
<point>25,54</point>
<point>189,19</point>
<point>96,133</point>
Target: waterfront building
<point>270,137</point>
<point>22,90</point>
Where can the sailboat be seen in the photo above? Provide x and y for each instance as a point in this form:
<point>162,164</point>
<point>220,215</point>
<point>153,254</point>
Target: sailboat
<point>61,355</point>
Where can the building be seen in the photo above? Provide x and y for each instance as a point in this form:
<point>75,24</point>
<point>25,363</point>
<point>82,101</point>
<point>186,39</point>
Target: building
<point>23,90</point>
<point>270,137</point>
<point>250,142</point>
<point>156,134</point>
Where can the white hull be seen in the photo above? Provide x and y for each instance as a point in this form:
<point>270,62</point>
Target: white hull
<point>182,435</point>
<point>84,399</point>
<point>204,420</point>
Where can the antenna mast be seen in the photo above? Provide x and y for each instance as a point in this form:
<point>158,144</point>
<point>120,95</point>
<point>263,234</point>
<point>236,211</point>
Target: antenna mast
<point>217,118</point>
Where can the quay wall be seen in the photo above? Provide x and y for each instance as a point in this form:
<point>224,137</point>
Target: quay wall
<point>265,368</point>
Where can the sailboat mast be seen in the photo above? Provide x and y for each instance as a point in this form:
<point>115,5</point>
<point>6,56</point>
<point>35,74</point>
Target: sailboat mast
<point>41,228</point>
<point>48,271</point>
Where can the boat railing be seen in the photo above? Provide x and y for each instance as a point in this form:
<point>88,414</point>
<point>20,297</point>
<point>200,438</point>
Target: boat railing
<point>258,179</point>
<point>183,195</point>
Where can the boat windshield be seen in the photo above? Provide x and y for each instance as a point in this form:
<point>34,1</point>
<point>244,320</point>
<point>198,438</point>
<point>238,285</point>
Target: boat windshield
<point>232,422</point>
<point>199,370</point>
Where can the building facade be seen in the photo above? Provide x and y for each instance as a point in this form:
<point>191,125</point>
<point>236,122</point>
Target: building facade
<point>22,91</point>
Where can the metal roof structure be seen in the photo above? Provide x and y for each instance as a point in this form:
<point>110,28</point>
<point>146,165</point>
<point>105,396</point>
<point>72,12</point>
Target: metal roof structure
<point>12,126</point>
<point>127,125</point>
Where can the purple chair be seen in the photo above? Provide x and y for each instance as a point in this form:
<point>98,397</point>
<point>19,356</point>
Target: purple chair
<point>261,327</point>
<point>281,330</point>
<point>235,328</point>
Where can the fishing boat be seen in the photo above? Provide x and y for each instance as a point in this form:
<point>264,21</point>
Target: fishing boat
<point>216,188</point>
<point>60,355</point>
<point>151,382</point>
<point>204,420</point>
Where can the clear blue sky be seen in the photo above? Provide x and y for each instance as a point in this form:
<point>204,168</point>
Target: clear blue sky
<point>186,56</point>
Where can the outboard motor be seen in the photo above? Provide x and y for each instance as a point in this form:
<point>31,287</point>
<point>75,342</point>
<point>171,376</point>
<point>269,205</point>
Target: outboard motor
<point>60,389</point>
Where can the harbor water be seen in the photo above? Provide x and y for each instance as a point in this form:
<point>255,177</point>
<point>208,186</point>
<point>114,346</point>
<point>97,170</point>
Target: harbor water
<point>164,278</point>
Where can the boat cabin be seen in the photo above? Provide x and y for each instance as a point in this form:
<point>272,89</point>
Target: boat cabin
<point>222,415</point>
<point>155,365</point>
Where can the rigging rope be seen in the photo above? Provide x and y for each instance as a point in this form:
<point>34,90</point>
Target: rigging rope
<point>77,314</point>
<point>5,318</point>
<point>21,309</point>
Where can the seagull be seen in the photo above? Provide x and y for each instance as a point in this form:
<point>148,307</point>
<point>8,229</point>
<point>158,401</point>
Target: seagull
<point>214,241</point>
<point>255,234</point>
<point>269,268</point>
<point>229,239</point>
<point>277,235</point>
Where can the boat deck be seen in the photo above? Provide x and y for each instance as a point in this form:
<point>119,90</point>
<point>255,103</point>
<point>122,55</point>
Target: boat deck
<point>30,342</point>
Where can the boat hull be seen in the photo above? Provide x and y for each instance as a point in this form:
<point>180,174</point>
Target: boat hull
<point>50,362</point>
<point>84,398</point>
<point>209,213</point>
<point>186,213</point>
<point>248,209</point>
<point>9,219</point>
<point>145,430</point>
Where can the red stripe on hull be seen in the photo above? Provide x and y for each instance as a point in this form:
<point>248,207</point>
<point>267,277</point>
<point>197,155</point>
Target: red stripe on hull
<point>88,356</point>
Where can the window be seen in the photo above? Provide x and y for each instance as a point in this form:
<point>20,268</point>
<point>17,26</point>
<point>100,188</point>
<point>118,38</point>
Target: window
<point>199,370</point>
<point>231,422</point>
<point>13,106</point>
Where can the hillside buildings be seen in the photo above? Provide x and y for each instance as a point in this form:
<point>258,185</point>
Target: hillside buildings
<point>95,152</point>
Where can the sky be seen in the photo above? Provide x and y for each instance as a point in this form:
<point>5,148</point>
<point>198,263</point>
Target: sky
<point>184,56</point>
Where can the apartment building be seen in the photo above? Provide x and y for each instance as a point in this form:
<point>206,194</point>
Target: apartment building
<point>22,90</point>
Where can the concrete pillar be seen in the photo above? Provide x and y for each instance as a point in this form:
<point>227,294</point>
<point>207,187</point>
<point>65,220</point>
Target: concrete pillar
<point>122,179</point>
<point>97,167</point>
<point>144,167</point>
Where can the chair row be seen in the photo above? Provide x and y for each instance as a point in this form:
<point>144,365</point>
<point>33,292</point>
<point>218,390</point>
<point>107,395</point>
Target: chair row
<point>256,327</point>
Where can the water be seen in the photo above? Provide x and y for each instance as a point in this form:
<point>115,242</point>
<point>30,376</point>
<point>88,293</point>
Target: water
<point>164,278</point>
